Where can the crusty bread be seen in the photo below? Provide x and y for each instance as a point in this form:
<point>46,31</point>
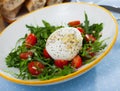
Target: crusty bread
<point>1,3</point>
<point>2,0</point>
<point>35,4</point>
<point>11,8</point>
<point>10,5</point>
<point>10,16</point>
<point>2,25</point>
<point>51,2</point>
<point>0,6</point>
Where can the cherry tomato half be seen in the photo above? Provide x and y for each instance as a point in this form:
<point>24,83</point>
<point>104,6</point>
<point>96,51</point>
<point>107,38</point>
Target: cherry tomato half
<point>90,37</point>
<point>92,54</point>
<point>26,55</point>
<point>74,23</point>
<point>31,40</point>
<point>61,63</point>
<point>81,30</point>
<point>45,53</point>
<point>35,68</point>
<point>76,62</point>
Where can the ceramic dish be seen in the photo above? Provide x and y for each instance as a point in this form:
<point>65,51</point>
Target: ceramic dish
<point>57,15</point>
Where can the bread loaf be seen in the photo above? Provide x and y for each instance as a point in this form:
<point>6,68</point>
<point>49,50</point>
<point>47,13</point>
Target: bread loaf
<point>35,4</point>
<point>51,2</point>
<point>2,25</point>
<point>1,3</point>
<point>10,16</point>
<point>11,8</point>
<point>10,5</point>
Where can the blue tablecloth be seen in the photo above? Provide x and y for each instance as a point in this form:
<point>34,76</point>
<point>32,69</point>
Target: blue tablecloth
<point>104,77</point>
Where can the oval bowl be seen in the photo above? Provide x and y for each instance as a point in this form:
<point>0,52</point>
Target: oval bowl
<point>57,15</point>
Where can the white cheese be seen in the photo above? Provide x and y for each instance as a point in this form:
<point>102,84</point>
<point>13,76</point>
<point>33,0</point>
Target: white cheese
<point>64,43</point>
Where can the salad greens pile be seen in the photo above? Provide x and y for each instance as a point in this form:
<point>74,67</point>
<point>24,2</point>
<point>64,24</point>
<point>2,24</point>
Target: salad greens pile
<point>91,46</point>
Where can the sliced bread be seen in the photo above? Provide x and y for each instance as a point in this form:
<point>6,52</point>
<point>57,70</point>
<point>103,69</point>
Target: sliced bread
<point>2,24</point>
<point>51,2</point>
<point>35,4</point>
<point>10,16</point>
<point>10,5</point>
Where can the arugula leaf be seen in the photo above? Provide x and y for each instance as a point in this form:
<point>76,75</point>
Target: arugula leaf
<point>12,60</point>
<point>96,29</point>
<point>86,24</point>
<point>56,72</point>
<point>46,24</point>
<point>86,61</point>
<point>95,47</point>
<point>98,46</point>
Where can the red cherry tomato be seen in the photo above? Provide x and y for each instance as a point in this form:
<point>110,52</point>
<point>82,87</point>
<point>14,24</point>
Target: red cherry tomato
<point>92,54</point>
<point>61,63</point>
<point>74,23</point>
<point>76,62</point>
<point>45,53</point>
<point>35,68</point>
<point>90,37</point>
<point>25,55</point>
<point>31,40</point>
<point>80,29</point>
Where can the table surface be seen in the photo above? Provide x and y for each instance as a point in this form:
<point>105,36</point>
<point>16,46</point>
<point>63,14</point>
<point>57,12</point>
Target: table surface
<point>104,77</point>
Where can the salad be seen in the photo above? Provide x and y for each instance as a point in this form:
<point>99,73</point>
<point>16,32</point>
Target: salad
<point>50,51</point>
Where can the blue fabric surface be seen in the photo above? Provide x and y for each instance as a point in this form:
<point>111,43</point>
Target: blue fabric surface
<point>104,77</point>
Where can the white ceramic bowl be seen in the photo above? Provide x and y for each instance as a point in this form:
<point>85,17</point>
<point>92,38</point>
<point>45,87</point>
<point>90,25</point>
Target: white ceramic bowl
<point>57,15</point>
